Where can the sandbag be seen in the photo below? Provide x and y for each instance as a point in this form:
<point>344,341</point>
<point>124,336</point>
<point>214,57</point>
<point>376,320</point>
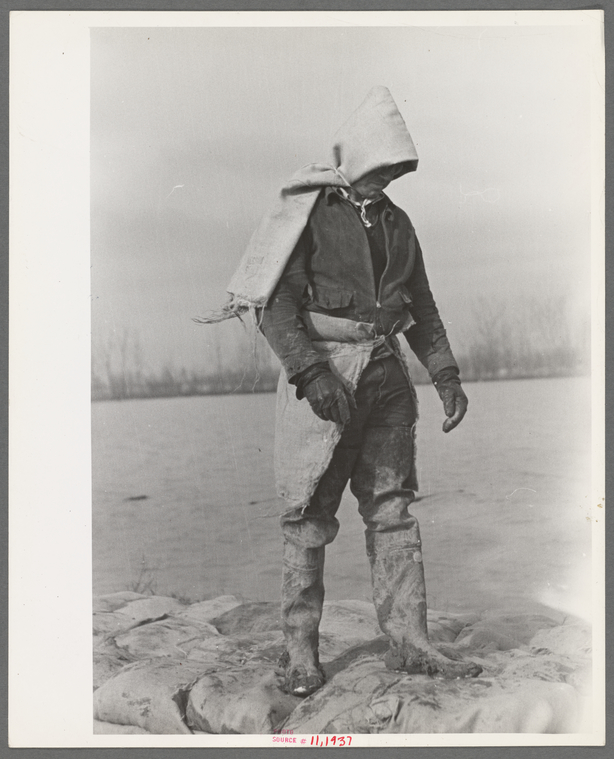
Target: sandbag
<point>352,621</point>
<point>249,617</point>
<point>106,666</point>
<point>149,609</point>
<point>236,650</point>
<point>244,700</point>
<point>206,611</point>
<point>367,698</point>
<point>172,637</point>
<point>189,677</point>
<point>133,613</point>
<point>521,663</point>
<point>113,601</point>
<point>475,706</point>
<point>568,640</point>
<point>503,632</point>
<point>348,688</point>
<point>149,694</point>
<point>444,627</point>
<point>108,659</point>
<point>110,728</point>
<point>370,648</point>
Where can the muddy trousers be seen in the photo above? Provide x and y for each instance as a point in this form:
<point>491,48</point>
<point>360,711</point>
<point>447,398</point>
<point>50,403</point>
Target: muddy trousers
<point>375,454</point>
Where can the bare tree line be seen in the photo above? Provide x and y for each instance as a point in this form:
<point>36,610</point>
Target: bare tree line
<point>119,371</point>
<point>538,339</point>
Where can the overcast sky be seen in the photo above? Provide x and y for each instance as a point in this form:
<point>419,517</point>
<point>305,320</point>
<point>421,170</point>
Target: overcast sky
<point>194,129</point>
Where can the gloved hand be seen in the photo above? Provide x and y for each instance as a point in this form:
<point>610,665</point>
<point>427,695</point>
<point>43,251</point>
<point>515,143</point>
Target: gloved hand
<point>326,393</point>
<point>453,397</point>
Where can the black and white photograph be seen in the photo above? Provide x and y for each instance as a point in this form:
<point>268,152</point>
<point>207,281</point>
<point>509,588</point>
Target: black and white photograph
<point>341,475</point>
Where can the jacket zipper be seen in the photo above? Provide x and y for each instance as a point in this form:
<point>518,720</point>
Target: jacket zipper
<point>350,210</point>
<point>377,288</point>
<point>378,294</point>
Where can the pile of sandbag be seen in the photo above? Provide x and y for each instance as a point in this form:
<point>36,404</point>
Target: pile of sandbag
<point>161,666</point>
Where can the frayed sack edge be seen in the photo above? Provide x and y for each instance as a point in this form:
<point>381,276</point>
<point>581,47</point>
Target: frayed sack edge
<point>235,307</point>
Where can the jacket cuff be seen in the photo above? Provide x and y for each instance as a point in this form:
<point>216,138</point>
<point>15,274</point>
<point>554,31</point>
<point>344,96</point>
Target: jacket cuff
<point>448,374</point>
<point>438,361</point>
<point>294,366</point>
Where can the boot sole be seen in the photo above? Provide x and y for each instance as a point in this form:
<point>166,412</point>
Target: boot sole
<point>299,683</point>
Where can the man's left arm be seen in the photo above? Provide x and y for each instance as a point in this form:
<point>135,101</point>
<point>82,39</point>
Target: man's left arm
<point>428,340</point>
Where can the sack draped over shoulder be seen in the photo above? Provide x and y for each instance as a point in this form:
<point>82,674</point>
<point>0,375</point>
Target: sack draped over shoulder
<point>373,137</point>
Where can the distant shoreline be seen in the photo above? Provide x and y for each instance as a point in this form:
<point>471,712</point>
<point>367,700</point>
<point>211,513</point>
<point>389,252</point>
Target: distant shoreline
<point>269,385</point>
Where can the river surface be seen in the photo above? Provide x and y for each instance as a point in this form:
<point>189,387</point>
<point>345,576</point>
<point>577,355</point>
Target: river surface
<point>183,489</point>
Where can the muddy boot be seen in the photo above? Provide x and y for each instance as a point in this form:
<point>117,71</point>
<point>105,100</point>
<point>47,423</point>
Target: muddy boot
<point>399,594</point>
<point>306,533</point>
<point>302,596</point>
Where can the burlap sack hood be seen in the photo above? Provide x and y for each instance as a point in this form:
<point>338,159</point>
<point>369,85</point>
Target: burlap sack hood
<point>373,137</point>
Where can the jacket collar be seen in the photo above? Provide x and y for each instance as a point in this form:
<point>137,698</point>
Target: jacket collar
<point>332,194</point>
<point>383,205</point>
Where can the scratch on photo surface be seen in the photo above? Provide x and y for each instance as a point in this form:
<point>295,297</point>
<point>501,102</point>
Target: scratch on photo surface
<point>489,195</point>
<point>517,489</point>
<point>176,187</point>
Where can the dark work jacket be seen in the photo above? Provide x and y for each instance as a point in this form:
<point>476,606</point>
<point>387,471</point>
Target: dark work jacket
<point>330,271</point>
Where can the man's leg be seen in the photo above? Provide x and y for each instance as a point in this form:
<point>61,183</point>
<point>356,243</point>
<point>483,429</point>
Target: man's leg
<point>381,482</point>
<point>306,532</point>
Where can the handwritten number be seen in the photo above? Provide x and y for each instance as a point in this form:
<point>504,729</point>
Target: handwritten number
<point>342,740</point>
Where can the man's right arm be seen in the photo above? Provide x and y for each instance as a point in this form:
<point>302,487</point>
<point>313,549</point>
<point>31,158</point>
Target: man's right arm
<point>282,323</point>
<point>285,330</point>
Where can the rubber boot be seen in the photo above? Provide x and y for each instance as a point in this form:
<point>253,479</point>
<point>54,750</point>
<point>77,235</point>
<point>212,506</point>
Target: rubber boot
<point>302,596</point>
<point>399,594</point>
<point>306,533</point>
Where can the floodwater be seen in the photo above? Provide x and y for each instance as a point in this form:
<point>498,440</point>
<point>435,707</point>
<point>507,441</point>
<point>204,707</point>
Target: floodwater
<point>182,488</point>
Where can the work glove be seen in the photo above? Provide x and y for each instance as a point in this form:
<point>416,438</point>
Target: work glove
<point>326,393</point>
<point>452,396</point>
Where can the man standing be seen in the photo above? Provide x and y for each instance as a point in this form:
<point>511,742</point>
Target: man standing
<point>345,277</point>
